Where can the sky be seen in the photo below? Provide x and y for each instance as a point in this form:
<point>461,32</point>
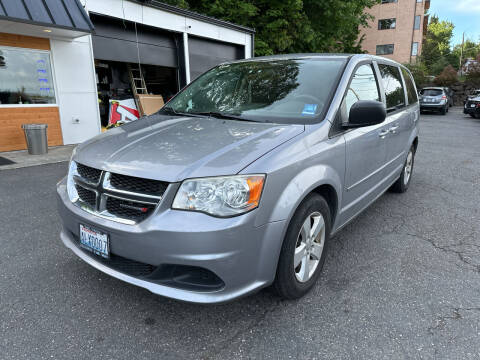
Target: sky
<point>465,15</point>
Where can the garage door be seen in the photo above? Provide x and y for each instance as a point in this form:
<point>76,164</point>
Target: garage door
<point>205,54</point>
<point>115,40</point>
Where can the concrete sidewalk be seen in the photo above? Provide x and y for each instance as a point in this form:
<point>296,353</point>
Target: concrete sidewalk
<point>23,159</point>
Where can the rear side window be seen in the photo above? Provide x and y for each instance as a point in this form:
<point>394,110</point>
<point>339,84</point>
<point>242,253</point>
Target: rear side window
<point>411,92</point>
<point>392,83</point>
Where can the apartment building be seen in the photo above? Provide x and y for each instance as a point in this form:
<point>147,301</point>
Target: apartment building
<point>397,30</point>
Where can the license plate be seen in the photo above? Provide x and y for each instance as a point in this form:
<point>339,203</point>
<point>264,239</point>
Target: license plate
<point>94,241</point>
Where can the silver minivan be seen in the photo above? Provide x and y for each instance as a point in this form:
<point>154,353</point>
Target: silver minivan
<point>242,179</point>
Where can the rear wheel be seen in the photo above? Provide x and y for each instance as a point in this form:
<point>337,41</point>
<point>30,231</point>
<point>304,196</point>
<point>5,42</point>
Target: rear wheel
<point>403,182</point>
<point>304,248</point>
<point>443,111</point>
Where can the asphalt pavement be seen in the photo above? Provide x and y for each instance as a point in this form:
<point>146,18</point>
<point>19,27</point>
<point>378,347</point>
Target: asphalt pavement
<point>401,281</point>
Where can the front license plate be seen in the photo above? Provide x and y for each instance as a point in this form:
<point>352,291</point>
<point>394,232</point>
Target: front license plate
<point>94,241</point>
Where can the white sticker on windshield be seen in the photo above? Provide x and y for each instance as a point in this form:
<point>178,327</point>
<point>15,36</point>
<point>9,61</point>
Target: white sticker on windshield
<point>309,109</point>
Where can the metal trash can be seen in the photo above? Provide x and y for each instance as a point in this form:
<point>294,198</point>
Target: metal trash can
<point>36,138</point>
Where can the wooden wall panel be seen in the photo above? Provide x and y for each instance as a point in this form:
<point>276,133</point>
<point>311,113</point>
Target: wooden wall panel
<point>11,120</point>
<point>22,41</point>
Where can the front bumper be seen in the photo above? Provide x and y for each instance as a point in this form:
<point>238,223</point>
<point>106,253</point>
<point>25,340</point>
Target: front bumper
<point>471,110</point>
<point>242,255</point>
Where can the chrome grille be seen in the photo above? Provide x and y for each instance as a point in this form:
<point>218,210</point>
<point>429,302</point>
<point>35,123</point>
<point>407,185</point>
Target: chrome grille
<point>129,209</point>
<point>121,198</point>
<point>88,173</point>
<point>135,184</point>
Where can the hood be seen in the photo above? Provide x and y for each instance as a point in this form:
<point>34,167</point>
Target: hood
<point>172,149</point>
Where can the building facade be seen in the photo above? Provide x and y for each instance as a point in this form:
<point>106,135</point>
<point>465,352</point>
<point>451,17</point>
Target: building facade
<point>397,30</point>
<point>62,62</point>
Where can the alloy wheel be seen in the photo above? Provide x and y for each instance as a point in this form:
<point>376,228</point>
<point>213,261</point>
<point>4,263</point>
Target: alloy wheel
<point>408,168</point>
<point>309,247</point>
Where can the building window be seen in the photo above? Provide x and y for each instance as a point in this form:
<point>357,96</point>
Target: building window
<point>386,24</point>
<point>388,1</point>
<point>385,49</point>
<point>416,25</point>
<point>419,1</point>
<point>415,49</point>
<point>25,77</point>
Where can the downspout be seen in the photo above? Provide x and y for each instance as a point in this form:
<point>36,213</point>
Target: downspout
<point>413,27</point>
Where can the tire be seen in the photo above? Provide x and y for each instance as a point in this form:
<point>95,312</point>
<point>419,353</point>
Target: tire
<point>443,111</point>
<point>403,182</point>
<point>473,116</point>
<point>294,282</point>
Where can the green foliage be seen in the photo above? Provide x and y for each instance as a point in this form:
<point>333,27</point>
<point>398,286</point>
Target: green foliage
<point>419,73</point>
<point>437,45</point>
<point>473,75</point>
<point>447,77</point>
<point>289,26</point>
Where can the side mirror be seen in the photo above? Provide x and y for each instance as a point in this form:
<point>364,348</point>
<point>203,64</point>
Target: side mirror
<point>366,113</point>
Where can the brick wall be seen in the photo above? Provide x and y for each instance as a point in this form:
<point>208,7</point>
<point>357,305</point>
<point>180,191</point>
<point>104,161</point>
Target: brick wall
<point>403,11</point>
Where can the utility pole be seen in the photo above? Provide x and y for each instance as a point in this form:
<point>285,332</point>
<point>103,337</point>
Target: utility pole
<point>461,54</point>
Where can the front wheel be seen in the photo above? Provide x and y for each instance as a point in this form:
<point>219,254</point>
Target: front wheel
<point>403,182</point>
<point>304,248</point>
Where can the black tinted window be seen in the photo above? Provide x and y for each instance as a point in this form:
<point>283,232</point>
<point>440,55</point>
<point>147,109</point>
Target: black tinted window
<point>411,92</point>
<point>392,83</point>
<point>387,24</point>
<point>431,92</point>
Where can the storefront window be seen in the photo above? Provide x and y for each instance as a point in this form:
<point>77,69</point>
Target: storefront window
<point>25,77</point>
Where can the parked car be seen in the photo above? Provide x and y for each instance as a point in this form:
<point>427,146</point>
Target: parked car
<point>434,99</point>
<point>449,93</point>
<point>473,94</point>
<point>472,105</point>
<point>241,180</point>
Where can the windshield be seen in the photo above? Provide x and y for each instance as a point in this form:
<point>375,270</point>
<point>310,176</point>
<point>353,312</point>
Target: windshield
<point>281,91</point>
<point>431,92</point>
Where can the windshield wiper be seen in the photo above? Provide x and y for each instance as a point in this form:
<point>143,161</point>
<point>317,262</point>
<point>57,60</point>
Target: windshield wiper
<point>171,110</point>
<point>221,115</point>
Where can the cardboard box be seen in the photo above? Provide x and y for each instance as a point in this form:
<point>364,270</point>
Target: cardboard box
<point>149,104</point>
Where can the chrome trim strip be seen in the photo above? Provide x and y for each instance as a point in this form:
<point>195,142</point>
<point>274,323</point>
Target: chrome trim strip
<point>107,195</point>
<point>107,185</point>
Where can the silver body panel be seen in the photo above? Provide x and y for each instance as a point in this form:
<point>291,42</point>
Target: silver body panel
<point>358,164</point>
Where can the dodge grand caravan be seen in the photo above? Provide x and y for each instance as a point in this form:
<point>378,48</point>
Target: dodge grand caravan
<point>241,180</point>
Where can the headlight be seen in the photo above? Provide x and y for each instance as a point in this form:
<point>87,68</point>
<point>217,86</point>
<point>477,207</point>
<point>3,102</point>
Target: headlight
<point>220,196</point>
<point>71,189</point>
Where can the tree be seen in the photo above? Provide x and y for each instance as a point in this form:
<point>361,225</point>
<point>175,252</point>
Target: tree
<point>437,44</point>
<point>336,24</point>
<point>419,73</point>
<point>447,77</point>
<point>289,26</point>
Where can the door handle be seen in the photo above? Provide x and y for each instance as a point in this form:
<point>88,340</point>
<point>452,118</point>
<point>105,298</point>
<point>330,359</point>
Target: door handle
<point>383,133</point>
<point>393,129</point>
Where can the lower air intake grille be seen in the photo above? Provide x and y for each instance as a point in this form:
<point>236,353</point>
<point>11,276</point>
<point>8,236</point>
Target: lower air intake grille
<point>129,209</point>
